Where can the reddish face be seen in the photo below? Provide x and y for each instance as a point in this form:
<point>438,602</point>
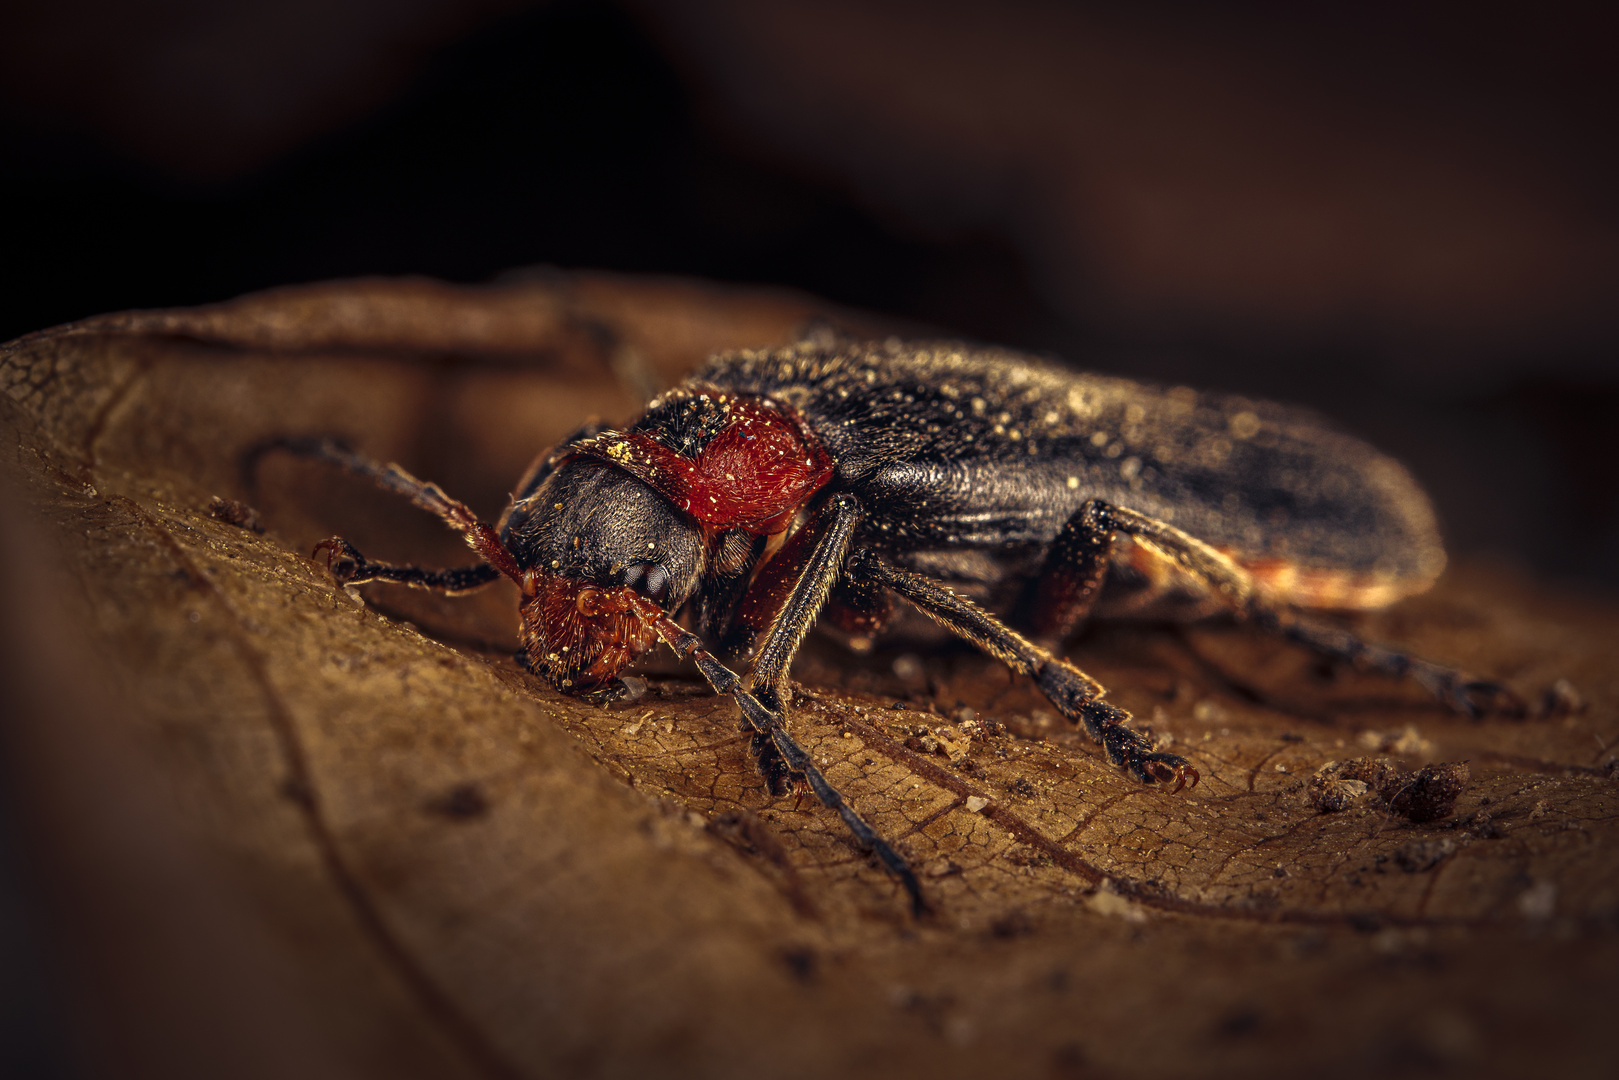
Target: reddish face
<point>580,636</point>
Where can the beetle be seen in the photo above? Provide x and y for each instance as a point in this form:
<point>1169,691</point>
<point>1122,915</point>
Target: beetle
<point>1002,496</point>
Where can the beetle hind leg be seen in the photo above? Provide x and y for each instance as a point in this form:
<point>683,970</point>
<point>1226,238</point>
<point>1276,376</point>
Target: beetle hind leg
<point>1456,689</point>
<point>1079,559</point>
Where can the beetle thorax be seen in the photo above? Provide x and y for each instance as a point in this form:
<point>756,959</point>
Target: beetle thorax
<point>725,460</point>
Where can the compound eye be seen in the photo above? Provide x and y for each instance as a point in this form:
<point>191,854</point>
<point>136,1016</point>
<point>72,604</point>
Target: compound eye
<point>651,580</point>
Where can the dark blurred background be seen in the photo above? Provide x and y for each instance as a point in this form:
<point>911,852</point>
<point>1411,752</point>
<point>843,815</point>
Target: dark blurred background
<point>1399,213</point>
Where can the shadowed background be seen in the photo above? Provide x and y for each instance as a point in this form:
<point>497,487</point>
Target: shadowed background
<point>1396,213</point>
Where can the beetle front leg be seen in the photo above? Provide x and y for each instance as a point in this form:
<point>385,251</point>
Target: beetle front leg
<point>767,677</point>
<point>767,728</point>
<point>762,696</point>
<point>780,606</point>
<point>1075,694</point>
<point>816,572</point>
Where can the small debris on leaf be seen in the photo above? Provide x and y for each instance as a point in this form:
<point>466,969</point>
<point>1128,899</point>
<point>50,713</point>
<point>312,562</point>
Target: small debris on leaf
<point>943,739</point>
<point>1427,794</point>
<point>1539,901</point>
<point>1104,901</point>
<point>1406,743</point>
<point>238,514</point>
<point>1423,855</point>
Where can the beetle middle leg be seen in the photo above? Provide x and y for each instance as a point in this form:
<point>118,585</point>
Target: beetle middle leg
<point>1075,694</point>
<point>1066,589</point>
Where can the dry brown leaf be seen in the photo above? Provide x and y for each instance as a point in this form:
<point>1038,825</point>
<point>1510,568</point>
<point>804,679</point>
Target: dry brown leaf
<point>464,873</point>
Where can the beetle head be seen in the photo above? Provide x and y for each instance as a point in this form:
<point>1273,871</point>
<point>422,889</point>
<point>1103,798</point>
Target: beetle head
<point>592,540</point>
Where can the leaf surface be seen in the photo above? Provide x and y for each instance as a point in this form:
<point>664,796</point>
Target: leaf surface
<point>469,874</point>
